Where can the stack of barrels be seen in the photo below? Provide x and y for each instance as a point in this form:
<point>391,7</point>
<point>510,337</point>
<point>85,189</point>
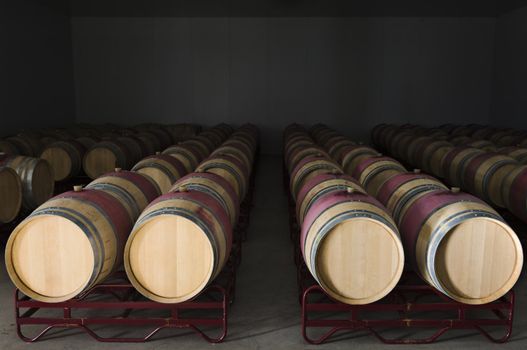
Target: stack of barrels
<point>78,239</point>
<point>453,240</point>
<point>349,242</point>
<point>183,239</point>
<point>32,161</point>
<point>480,160</point>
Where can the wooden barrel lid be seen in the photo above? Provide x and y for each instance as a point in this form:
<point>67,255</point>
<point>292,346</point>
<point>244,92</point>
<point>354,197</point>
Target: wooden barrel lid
<point>180,249</point>
<point>479,260</point>
<point>360,260</point>
<point>41,261</point>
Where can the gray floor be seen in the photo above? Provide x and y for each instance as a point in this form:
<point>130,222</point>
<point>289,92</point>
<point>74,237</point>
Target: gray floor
<point>266,313</point>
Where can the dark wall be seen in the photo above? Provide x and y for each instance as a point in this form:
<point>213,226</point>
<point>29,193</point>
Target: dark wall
<point>510,84</point>
<point>350,73</point>
<point>36,68</point>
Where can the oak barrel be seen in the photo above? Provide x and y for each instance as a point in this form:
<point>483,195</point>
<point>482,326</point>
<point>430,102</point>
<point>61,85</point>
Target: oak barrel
<point>67,245</point>
<point>36,176</point>
<point>461,246</point>
<point>104,157</point>
<point>179,244</point>
<point>10,194</point>
<point>352,247</point>
<point>320,186</point>
<point>65,158</point>
<point>308,168</point>
<point>215,186</point>
<point>163,169</point>
<point>134,190</point>
<point>373,172</point>
<point>231,169</point>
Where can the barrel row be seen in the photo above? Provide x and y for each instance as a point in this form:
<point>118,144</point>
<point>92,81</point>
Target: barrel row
<point>348,241</point>
<point>183,239</point>
<point>449,237</point>
<point>481,136</point>
<point>496,175</point>
<point>32,142</point>
<point>99,218</point>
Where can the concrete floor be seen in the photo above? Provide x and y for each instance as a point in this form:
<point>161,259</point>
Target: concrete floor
<point>266,313</point>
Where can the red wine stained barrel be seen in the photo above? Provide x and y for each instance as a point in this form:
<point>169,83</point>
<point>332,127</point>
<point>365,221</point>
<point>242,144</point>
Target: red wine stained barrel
<point>215,186</point>
<point>308,168</point>
<point>484,175</point>
<point>186,154</point>
<point>353,155</point>
<point>352,247</point>
<point>373,172</point>
<point>454,162</point>
<point>515,192</point>
<point>231,169</point>
<point>461,246</point>
<point>163,169</point>
<point>400,190</point>
<point>67,245</point>
<point>179,244</point>
<point>320,186</point>
<point>134,190</point>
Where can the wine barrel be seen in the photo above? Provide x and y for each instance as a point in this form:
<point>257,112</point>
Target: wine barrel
<point>400,144</point>
<point>353,155</point>
<point>518,153</point>
<point>431,156</point>
<point>11,194</point>
<point>484,133</point>
<point>514,192</point>
<point>205,141</point>
<point>377,134</point>
<point>179,244</point>
<point>87,141</point>
<point>27,146</point>
<point>36,176</point>
<point>484,145</point>
<point>151,142</point>
<point>247,149</point>
<point>461,246</point>
<point>320,186</point>
<point>198,146</point>
<point>373,172</point>
<point>402,189</point>
<point>231,169</point>
<point>65,158</point>
<point>236,153</point>
<point>352,247</point>
<point>454,162</point>
<point>104,157</point>
<point>134,190</point>
<point>460,140</point>
<point>215,186</point>
<point>163,169</point>
<point>484,174</point>
<point>186,154</point>
<point>136,148</point>
<point>302,152</point>
<point>336,150</point>
<point>8,148</point>
<point>215,136</point>
<point>67,245</point>
<point>308,168</point>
